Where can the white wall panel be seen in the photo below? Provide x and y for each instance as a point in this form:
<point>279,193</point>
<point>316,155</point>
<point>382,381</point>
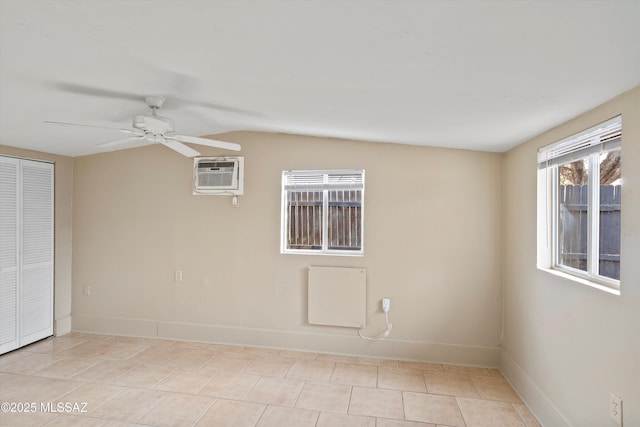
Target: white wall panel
<point>337,296</point>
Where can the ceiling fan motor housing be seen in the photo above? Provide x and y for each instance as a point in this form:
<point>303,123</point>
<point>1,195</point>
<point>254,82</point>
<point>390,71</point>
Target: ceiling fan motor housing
<point>154,102</point>
<point>156,125</point>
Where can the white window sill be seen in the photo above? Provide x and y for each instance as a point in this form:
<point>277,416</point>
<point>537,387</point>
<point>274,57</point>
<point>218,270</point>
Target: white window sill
<point>327,253</point>
<point>581,280</point>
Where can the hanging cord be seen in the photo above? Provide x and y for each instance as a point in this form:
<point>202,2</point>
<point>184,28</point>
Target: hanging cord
<point>384,336</point>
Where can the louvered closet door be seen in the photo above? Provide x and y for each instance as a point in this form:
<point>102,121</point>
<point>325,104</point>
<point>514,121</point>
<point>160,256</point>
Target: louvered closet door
<point>26,252</point>
<point>36,262</point>
<point>8,254</point>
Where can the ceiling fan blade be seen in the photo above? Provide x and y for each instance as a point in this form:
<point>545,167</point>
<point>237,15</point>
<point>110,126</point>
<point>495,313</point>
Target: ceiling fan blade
<point>208,142</point>
<point>92,126</point>
<point>186,82</point>
<point>96,91</point>
<point>214,106</point>
<point>122,141</point>
<point>179,147</point>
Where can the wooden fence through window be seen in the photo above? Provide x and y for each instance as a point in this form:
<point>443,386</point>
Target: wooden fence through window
<point>305,213</point>
<point>573,228</point>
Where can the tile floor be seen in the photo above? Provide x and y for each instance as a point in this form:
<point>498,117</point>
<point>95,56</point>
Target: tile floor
<point>97,380</point>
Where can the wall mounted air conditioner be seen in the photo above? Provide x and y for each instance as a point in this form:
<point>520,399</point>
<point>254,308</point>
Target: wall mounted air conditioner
<point>218,175</point>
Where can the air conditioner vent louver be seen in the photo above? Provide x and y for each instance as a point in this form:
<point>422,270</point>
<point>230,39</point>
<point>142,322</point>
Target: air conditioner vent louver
<point>216,174</point>
<point>220,175</point>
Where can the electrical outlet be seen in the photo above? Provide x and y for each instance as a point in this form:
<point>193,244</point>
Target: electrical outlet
<point>615,408</point>
<point>386,305</point>
<point>86,290</point>
<point>178,276</point>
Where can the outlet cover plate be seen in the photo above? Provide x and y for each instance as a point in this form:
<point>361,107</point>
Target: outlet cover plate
<point>615,408</point>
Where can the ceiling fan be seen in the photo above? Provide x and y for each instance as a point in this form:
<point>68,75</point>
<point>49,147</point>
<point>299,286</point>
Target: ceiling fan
<point>158,129</point>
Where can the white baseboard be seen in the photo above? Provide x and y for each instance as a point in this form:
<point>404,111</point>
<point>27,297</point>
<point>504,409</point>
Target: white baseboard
<point>116,326</point>
<point>62,326</point>
<point>487,356</point>
<point>538,403</point>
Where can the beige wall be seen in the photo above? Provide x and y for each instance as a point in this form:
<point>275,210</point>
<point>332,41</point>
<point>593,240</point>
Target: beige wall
<point>566,345</point>
<point>432,245</point>
<point>436,223</point>
<point>63,207</point>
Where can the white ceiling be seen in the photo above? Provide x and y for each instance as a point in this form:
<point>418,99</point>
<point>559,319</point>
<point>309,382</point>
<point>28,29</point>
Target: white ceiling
<point>483,75</point>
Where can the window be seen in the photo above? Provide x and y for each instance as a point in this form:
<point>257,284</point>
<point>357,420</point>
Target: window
<point>323,212</point>
<point>580,205</point>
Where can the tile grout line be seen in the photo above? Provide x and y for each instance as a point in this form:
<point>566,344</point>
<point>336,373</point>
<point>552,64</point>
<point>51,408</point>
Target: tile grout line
<point>524,422</point>
<point>165,397</point>
<point>211,405</point>
<point>377,375</point>
<point>197,393</point>
<point>108,399</point>
<point>266,406</point>
<point>299,394</point>
<point>455,399</point>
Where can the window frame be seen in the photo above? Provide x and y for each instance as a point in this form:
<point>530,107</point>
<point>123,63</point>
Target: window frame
<point>325,187</point>
<point>549,203</point>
